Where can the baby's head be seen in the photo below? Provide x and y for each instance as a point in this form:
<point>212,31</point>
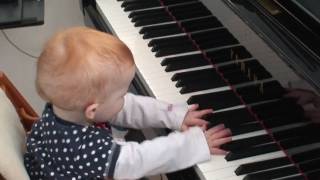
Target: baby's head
<point>81,69</point>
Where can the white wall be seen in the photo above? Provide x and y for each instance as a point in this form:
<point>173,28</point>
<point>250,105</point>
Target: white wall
<point>20,68</point>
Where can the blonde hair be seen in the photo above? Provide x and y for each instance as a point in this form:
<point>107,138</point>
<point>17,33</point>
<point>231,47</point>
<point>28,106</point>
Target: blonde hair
<point>77,66</point>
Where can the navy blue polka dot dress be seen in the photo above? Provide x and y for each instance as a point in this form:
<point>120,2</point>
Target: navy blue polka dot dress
<point>57,149</point>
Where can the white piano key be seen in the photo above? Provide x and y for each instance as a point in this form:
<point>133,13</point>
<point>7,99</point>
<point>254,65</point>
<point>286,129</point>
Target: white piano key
<point>218,162</point>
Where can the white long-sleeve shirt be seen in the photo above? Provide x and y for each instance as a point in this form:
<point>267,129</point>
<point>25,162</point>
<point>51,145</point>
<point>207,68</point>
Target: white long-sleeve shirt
<point>163,154</point>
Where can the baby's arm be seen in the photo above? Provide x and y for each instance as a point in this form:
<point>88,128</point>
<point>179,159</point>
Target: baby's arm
<point>143,112</point>
<point>170,153</point>
<point>163,154</point>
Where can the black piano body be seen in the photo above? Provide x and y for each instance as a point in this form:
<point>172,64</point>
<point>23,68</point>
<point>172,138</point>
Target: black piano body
<point>285,30</point>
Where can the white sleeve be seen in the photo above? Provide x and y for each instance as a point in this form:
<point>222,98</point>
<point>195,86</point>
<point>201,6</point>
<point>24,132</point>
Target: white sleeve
<point>145,112</point>
<point>161,155</point>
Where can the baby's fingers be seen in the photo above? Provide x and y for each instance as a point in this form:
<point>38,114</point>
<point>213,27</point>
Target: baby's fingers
<point>204,112</point>
<point>221,134</point>
<point>215,129</point>
<point>193,107</point>
<point>217,151</point>
<point>221,141</point>
<point>198,122</point>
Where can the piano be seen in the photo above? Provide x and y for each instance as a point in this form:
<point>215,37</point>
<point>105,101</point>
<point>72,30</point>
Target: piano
<point>237,57</point>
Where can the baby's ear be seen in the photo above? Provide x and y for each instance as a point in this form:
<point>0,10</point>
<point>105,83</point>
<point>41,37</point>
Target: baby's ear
<point>90,111</point>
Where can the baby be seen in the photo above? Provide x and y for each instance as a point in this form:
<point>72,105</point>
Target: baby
<point>84,76</point>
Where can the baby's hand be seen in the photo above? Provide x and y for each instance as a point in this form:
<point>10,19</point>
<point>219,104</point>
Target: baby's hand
<point>217,136</point>
<point>193,118</point>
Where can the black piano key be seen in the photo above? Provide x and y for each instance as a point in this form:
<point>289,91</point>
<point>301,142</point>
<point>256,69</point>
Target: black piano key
<point>228,54</point>
<point>141,4</point>
<point>185,174</point>
<point>296,177</point>
<point>196,60</point>
<point>173,28</point>
<point>201,24</point>
<point>171,2</point>
<point>307,155</point>
<point>136,15</point>
<point>217,43</point>
<point>182,48</point>
<point>202,85</point>
<point>252,66</point>
<point>190,10</point>
<point>245,128</point>
<point>282,106</point>
<point>313,175</point>
<point>292,132</point>
<point>230,118</point>
<point>160,30</point>
<point>191,14</point>
<point>190,61</point>
<point>237,78</point>
<point>164,42</point>
<point>196,82</point>
<point>307,130</point>
<point>280,121</point>
<point>193,75</point>
<point>152,20</point>
<point>252,151</point>
<point>125,2</point>
<point>311,165</point>
<point>285,117</point>
<point>214,38</point>
<point>184,62</point>
<point>272,174</point>
<point>214,34</point>
<point>171,44</point>
<point>289,133</point>
<point>182,7</point>
<point>261,165</point>
<point>246,142</point>
<point>209,82</point>
<point>276,162</point>
<point>218,100</point>
<point>253,93</point>
<point>310,168</point>
<point>298,141</point>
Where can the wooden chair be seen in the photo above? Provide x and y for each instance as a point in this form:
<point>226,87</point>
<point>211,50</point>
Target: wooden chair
<point>16,122</point>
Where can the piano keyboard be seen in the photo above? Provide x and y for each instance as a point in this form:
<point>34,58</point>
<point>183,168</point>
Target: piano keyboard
<point>188,53</point>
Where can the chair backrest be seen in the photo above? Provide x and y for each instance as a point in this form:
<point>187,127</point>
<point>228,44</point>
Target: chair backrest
<point>26,113</point>
<point>16,118</point>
